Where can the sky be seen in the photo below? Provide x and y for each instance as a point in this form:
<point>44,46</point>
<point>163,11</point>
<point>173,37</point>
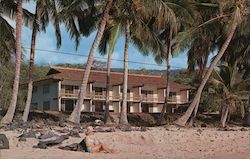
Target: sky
<point>48,54</point>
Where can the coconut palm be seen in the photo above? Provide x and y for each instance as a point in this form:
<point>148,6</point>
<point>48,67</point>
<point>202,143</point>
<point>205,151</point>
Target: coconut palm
<point>204,41</point>
<point>139,30</point>
<point>109,40</point>
<point>46,11</point>
<point>75,115</point>
<point>11,110</point>
<point>231,87</point>
<point>182,15</point>
<point>141,34</point>
<point>8,8</point>
<point>236,12</point>
<point>80,17</point>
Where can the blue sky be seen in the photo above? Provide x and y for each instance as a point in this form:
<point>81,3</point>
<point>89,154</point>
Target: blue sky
<point>47,41</point>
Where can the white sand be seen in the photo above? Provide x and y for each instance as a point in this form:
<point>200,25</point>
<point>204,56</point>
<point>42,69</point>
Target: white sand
<point>156,143</point>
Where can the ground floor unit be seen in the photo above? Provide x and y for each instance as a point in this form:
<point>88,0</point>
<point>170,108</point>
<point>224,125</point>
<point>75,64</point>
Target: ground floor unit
<point>67,105</point>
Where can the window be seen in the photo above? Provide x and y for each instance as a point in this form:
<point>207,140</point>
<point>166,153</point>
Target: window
<point>171,94</point>
<point>128,90</point>
<point>34,90</point>
<point>46,105</point>
<point>99,90</point>
<point>46,89</point>
<point>146,92</point>
<point>69,89</point>
<point>34,106</point>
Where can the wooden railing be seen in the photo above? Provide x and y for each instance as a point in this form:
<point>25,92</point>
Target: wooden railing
<point>143,98</point>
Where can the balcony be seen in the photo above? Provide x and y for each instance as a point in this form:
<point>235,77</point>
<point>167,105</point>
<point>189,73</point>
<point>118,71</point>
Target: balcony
<point>71,94</point>
<point>175,100</point>
<point>130,97</point>
<point>135,98</point>
<point>98,95</point>
<point>148,98</point>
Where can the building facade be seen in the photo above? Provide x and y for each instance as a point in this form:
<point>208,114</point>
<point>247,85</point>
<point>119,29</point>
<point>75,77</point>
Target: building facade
<point>58,91</point>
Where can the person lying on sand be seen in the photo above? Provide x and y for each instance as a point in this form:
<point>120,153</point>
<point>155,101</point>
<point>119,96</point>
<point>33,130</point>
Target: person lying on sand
<point>94,145</point>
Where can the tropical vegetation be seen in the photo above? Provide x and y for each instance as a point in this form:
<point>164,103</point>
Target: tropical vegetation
<point>162,28</point>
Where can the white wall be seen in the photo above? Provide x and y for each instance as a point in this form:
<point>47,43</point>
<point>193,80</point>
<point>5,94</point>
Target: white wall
<point>39,97</point>
<point>134,108</point>
<point>86,106</point>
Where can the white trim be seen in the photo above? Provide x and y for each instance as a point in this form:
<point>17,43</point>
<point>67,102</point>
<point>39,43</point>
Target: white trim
<point>59,100</point>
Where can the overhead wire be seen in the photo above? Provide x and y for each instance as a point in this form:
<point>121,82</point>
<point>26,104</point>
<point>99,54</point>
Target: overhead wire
<point>102,58</point>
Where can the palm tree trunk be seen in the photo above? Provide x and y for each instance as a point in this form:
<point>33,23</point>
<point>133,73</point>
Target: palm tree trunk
<point>12,107</point>
<point>191,122</point>
<point>75,115</point>
<point>31,67</point>
<point>224,116</point>
<point>183,119</point>
<point>123,116</point>
<point>107,118</point>
<point>168,53</point>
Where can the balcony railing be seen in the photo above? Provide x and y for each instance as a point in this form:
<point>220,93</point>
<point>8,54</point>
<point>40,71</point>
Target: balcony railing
<point>143,98</point>
<point>72,94</point>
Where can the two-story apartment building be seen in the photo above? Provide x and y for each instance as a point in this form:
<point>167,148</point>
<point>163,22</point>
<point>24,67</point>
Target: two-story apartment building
<point>58,91</point>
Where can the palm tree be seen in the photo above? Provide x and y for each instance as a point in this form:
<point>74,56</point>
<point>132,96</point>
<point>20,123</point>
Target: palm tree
<point>158,30</point>
<point>226,82</point>
<point>239,7</point>
<point>75,115</point>
<point>148,19</point>
<point>123,117</point>
<point>204,41</point>
<point>7,38</point>
<point>11,110</point>
<point>141,35</point>
<point>140,12</point>
<point>7,41</point>
<point>110,37</point>
<point>46,10</point>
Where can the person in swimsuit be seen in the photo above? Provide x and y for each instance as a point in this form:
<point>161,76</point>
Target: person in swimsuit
<point>94,145</point>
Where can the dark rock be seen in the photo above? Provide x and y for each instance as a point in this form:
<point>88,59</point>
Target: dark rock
<point>78,129</point>
<point>74,147</point>
<point>41,146</point>
<point>243,129</point>
<point>21,125</point>
<point>51,141</point>
<point>103,129</point>
<point>64,131</point>
<point>110,130</point>
<point>143,128</point>
<point>125,128</point>
<point>22,139</point>
<point>29,134</point>
<point>225,129</point>
<point>203,125</point>
<point>46,135</point>
<point>247,120</point>
<point>4,142</point>
<point>199,131</point>
<point>62,124</point>
<point>73,133</point>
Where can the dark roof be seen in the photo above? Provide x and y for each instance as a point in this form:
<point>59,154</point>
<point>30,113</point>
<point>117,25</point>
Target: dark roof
<point>75,74</point>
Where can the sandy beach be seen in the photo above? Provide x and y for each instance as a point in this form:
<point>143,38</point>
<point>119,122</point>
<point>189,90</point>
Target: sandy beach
<point>156,143</point>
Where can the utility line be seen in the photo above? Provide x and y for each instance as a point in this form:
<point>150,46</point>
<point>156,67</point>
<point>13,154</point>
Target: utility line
<point>103,58</point>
